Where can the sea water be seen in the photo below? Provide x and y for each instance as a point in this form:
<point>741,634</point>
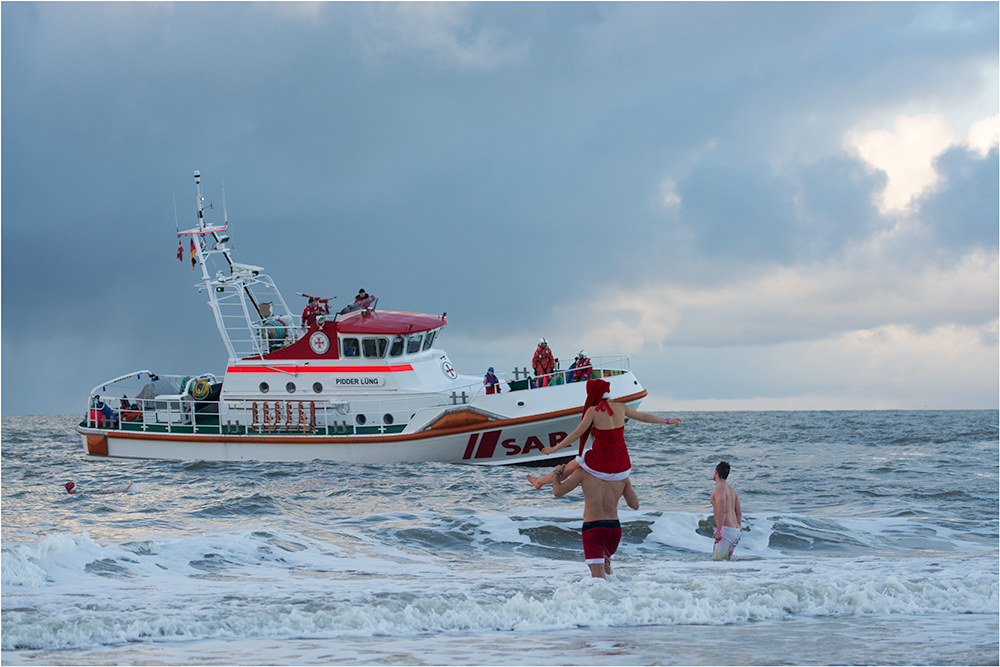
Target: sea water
<point>868,537</point>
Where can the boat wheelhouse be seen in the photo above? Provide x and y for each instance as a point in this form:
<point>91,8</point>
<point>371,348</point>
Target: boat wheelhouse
<point>360,385</point>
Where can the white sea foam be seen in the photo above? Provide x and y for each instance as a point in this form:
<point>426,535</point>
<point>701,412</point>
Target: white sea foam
<point>73,592</point>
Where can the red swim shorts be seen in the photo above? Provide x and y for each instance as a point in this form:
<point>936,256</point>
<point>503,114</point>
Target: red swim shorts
<point>600,540</point>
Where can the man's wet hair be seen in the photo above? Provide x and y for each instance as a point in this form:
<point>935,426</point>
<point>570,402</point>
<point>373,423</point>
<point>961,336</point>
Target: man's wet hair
<point>723,470</point>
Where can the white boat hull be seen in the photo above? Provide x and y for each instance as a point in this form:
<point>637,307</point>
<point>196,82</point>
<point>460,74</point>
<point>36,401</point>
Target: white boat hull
<point>501,442</point>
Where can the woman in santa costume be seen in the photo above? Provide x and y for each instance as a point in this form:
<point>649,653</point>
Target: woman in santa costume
<point>607,457</point>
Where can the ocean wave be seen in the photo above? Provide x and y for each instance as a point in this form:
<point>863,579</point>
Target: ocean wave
<point>69,591</point>
<point>488,600</point>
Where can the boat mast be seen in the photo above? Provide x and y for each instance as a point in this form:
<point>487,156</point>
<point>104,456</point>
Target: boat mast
<point>223,289</point>
<point>213,300</point>
<point>215,236</point>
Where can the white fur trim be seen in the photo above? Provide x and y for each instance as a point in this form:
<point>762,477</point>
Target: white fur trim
<point>606,476</point>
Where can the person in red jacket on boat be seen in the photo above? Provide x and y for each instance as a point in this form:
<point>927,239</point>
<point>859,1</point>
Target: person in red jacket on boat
<point>607,458</point>
<point>361,301</point>
<point>581,367</point>
<point>491,381</point>
<point>313,310</point>
<point>543,363</point>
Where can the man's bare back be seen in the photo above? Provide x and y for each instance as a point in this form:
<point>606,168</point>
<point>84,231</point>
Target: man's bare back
<point>726,503</point>
<point>600,510</point>
<point>728,514</point>
<point>600,498</point>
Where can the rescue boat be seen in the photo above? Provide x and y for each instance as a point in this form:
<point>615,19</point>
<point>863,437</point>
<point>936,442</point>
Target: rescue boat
<point>361,385</point>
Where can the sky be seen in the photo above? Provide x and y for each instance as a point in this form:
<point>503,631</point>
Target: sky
<point>767,206</point>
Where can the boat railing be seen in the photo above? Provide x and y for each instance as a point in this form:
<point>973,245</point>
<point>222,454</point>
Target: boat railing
<point>144,401</point>
<point>603,366</point>
<point>251,314</point>
<point>147,399</point>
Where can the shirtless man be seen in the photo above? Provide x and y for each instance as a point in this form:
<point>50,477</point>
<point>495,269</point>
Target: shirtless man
<point>728,515</point>
<point>601,529</point>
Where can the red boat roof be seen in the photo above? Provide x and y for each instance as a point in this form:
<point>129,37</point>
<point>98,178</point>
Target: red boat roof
<point>387,322</point>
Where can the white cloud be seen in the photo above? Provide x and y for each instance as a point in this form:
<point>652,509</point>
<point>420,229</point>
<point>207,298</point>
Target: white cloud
<point>984,135</point>
<point>854,334</point>
<point>668,193</point>
<point>785,304</point>
<point>888,367</point>
<point>439,31</point>
<point>906,155</point>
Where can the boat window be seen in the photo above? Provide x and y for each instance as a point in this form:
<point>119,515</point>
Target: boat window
<point>290,387</point>
<point>397,346</point>
<point>317,387</point>
<point>413,344</point>
<point>429,340</point>
<point>351,348</point>
<point>374,348</point>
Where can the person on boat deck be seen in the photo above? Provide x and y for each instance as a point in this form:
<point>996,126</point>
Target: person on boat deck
<point>130,411</point>
<point>583,367</point>
<point>362,300</point>
<point>491,381</point>
<point>311,312</point>
<point>543,363</point>
<point>102,414</point>
<point>607,457</point>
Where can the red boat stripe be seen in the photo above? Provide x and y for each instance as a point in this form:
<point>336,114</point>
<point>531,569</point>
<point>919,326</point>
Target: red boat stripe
<point>470,446</point>
<point>488,444</point>
<point>319,369</point>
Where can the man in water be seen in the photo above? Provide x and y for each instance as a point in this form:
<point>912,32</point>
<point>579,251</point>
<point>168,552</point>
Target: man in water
<point>601,529</point>
<point>728,515</point>
<point>73,489</point>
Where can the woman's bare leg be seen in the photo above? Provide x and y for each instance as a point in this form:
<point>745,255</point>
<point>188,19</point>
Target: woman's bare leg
<point>539,482</point>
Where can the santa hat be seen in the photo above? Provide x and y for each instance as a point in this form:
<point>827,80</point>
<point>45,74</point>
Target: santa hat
<point>597,391</point>
<point>70,487</point>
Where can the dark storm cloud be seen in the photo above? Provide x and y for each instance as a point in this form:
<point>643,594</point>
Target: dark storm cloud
<point>491,160</point>
<point>963,213</point>
<point>743,209</point>
<point>740,209</point>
